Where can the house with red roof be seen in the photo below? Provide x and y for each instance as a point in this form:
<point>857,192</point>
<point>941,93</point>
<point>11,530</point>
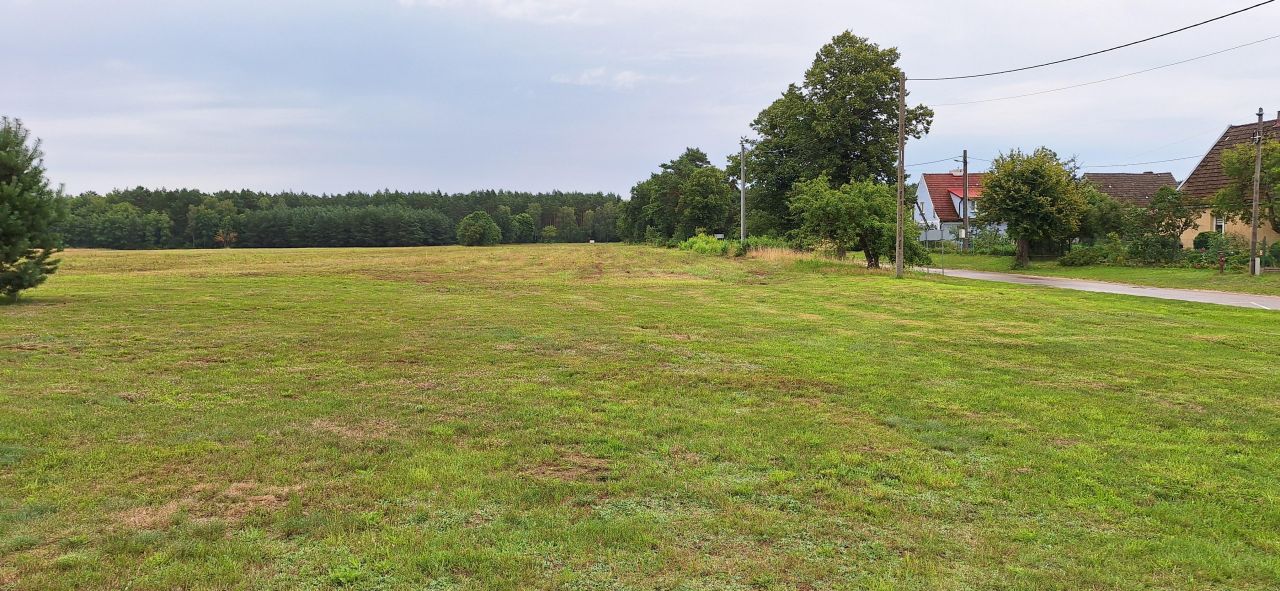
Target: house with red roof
<point>941,204</point>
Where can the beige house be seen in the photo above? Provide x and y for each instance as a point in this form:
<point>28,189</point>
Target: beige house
<point>1207,179</point>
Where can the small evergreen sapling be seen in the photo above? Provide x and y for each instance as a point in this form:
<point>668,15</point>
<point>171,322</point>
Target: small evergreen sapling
<point>29,210</point>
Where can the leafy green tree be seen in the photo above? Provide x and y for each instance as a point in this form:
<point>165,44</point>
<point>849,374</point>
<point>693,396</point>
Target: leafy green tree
<point>478,229</point>
<point>1104,216</point>
<point>1235,201</point>
<point>857,216</point>
<point>29,213</point>
<point>566,224</point>
<point>686,194</point>
<point>604,223</point>
<point>1168,215</point>
<point>522,228</point>
<point>549,234</point>
<point>207,221</point>
<point>502,217</point>
<point>841,122</point>
<point>706,198</point>
<point>1035,196</point>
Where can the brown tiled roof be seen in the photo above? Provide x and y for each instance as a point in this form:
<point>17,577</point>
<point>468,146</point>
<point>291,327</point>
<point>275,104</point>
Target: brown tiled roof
<point>1137,189</point>
<point>941,186</point>
<point>1207,179</point>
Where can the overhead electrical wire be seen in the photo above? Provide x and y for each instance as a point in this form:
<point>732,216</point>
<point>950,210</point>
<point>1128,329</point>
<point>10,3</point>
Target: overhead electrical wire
<point>1083,84</point>
<point>1099,52</point>
<point>933,161</point>
<point>1141,163</point>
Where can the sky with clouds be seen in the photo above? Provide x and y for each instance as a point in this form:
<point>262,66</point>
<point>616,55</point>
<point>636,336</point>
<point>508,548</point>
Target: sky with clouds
<point>332,96</point>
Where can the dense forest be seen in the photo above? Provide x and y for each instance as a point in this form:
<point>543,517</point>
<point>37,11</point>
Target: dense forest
<point>184,218</point>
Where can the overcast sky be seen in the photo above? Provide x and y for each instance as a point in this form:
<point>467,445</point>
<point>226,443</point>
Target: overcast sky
<point>331,96</point>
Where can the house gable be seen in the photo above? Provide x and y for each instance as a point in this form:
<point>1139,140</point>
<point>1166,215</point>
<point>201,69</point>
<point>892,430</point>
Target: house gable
<point>940,188</point>
<point>1207,179</point>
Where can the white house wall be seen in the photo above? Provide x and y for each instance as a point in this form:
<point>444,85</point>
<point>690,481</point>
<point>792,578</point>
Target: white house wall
<point>930,217</point>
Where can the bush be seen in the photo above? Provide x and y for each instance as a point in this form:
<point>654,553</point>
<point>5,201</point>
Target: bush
<point>1202,239</point>
<point>1152,249</point>
<point>1084,256</point>
<point>478,229</point>
<point>991,241</point>
<point>766,242</point>
<point>704,244</point>
<point>1232,252</point>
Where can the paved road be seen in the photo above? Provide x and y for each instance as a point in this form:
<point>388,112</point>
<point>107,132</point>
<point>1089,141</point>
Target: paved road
<point>1242,300</point>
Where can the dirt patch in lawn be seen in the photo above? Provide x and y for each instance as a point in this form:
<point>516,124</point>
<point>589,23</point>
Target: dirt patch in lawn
<point>572,466</point>
<point>208,501</point>
<point>151,517</point>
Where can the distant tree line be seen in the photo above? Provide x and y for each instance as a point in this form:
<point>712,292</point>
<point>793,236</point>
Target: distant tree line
<point>160,218</point>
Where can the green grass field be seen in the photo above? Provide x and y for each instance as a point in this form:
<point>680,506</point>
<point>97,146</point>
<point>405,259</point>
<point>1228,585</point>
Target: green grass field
<point>1237,281</point>
<point>621,417</point>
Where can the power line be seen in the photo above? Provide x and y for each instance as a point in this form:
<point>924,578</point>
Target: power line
<point>932,161</point>
<point>1099,52</point>
<point>1118,165</point>
<point>1178,63</point>
<point>1142,163</point>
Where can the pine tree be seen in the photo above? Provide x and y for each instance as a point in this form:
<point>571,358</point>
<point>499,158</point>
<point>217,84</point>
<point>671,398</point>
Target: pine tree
<point>29,210</point>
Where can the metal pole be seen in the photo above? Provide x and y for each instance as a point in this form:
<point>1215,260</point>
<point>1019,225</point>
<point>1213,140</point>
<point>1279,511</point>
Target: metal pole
<point>742,182</point>
<point>902,189</point>
<point>965,203</point>
<point>1255,265</point>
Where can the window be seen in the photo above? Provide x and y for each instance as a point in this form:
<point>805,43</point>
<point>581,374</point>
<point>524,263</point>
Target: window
<point>1220,225</point>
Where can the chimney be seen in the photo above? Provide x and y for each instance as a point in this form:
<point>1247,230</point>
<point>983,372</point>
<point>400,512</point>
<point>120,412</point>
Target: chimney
<point>1277,118</point>
<point>957,172</point>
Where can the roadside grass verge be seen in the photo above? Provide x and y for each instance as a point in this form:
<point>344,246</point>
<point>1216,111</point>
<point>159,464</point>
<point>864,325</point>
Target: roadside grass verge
<point>1237,281</point>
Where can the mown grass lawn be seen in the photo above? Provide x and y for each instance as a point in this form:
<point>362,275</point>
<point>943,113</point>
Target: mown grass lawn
<point>620,417</point>
<point>1237,281</point>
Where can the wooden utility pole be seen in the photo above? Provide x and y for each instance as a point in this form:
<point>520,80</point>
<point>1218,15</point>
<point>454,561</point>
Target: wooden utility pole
<point>1255,265</point>
<point>964,202</point>
<point>902,173</point>
<point>742,182</point>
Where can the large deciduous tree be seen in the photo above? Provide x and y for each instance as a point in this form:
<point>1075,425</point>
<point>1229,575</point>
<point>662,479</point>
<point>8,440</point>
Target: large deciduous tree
<point>1235,201</point>
<point>1035,195</point>
<point>841,122</point>
<point>29,212</point>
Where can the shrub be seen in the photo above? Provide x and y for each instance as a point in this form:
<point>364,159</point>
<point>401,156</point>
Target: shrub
<point>766,242</point>
<point>704,244</point>
<point>1154,249</point>
<point>1202,239</point>
<point>991,241</point>
<point>478,229</point>
<point>1231,252</point>
<point>1084,256</point>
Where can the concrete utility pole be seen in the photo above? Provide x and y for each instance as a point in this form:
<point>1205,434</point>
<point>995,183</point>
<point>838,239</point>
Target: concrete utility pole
<point>1255,264</point>
<point>742,182</point>
<point>964,203</point>
<point>902,173</point>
